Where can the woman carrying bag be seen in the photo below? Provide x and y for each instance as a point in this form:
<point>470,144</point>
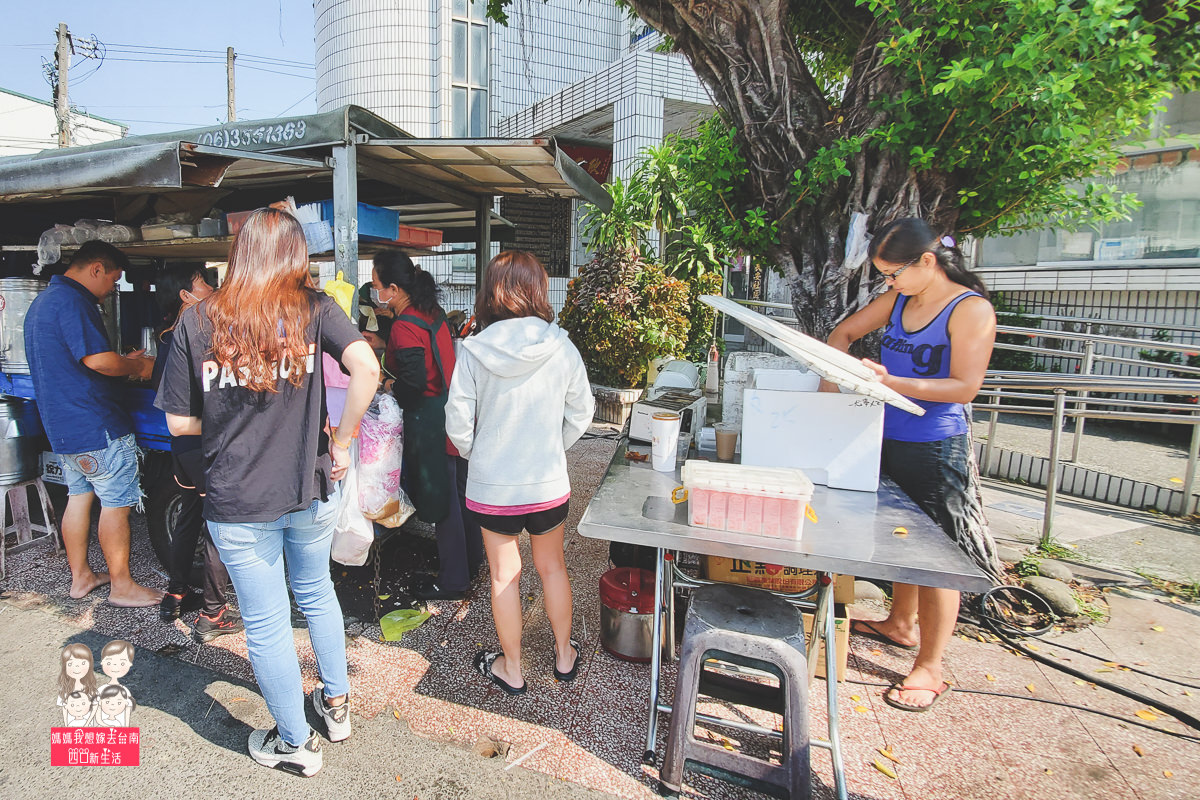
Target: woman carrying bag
<point>245,374</point>
<point>420,354</point>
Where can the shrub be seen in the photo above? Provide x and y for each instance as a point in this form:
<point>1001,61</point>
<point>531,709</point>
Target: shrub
<point>621,312</point>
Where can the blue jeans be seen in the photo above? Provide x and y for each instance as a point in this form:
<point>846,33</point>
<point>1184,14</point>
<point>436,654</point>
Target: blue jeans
<point>255,553</point>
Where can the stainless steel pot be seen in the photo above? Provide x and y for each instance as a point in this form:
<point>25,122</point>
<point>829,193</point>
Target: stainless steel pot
<point>21,441</point>
<point>16,294</point>
<point>627,635</point>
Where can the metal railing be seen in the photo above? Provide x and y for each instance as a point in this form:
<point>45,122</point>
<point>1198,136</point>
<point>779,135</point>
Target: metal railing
<point>1061,395</point>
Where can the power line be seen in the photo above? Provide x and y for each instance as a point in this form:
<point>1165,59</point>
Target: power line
<point>298,102</point>
<point>277,72</point>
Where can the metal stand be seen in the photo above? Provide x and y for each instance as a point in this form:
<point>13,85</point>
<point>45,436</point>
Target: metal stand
<point>666,576</point>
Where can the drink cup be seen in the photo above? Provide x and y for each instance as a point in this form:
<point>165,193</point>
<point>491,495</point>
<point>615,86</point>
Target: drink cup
<point>727,436</point>
<point>664,435</point>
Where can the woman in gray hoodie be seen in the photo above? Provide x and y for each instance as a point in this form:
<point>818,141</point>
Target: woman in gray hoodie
<point>518,399</point>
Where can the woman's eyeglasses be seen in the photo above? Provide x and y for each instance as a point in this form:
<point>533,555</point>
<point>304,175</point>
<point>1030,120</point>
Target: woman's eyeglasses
<point>891,276</point>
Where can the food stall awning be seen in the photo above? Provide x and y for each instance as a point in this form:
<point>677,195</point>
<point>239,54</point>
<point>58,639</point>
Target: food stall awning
<point>831,364</point>
<point>81,172</point>
<point>491,167</point>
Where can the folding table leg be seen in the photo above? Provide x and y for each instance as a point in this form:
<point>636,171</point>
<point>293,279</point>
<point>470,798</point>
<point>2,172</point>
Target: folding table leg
<point>835,740</point>
<point>660,610</point>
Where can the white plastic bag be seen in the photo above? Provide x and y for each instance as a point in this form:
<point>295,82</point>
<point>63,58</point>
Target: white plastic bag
<point>354,533</point>
<point>381,456</point>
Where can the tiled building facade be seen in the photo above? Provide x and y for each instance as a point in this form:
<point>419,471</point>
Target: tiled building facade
<point>579,70</point>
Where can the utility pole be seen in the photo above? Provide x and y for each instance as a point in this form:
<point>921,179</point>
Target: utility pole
<point>231,110</point>
<point>62,108</point>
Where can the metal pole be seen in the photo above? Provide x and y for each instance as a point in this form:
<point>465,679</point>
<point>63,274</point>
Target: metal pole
<point>1089,359</point>
<point>483,238</point>
<point>1060,398</point>
<point>660,578</point>
<point>345,211</point>
<point>230,104</point>
<point>1189,479</point>
<point>62,106</point>
<point>993,418</point>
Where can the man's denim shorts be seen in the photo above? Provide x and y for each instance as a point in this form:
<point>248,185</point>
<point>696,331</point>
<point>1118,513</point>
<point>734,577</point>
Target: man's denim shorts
<point>112,473</point>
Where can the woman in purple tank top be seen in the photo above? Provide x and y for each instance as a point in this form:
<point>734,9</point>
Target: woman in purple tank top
<point>938,329</point>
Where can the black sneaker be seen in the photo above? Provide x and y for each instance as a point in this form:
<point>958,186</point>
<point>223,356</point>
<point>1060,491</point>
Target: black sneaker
<point>430,589</point>
<point>225,622</point>
<point>172,605</point>
<point>270,750</point>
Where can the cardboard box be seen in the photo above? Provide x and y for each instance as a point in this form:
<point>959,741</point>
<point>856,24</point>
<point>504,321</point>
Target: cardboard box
<point>772,577</point>
<point>841,638</point>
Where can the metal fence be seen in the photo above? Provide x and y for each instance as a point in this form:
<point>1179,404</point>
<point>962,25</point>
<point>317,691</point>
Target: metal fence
<point>1147,391</point>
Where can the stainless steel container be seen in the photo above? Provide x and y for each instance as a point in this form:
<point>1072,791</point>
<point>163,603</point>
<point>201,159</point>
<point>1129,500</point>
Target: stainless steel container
<point>21,441</point>
<point>16,294</point>
<point>627,613</point>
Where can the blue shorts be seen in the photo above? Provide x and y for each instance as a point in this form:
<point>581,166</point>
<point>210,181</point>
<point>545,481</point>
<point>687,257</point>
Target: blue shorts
<point>112,473</point>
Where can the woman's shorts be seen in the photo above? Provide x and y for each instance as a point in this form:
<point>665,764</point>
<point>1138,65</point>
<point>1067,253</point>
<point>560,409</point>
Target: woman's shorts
<point>537,522</point>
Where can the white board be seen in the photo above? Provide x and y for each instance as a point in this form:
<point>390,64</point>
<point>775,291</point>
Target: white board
<point>831,364</point>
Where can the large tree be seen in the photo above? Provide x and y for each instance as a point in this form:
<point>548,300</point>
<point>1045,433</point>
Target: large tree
<point>977,115</point>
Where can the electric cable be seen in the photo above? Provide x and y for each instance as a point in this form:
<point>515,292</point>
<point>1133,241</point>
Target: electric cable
<point>1073,706</point>
<point>1001,628</point>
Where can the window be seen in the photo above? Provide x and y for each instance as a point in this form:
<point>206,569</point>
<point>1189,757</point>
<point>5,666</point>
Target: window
<point>468,69</point>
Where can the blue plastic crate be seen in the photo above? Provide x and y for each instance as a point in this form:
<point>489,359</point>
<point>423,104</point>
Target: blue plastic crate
<point>374,222</point>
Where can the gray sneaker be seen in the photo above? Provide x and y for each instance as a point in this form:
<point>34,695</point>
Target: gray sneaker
<point>337,718</point>
<point>269,749</point>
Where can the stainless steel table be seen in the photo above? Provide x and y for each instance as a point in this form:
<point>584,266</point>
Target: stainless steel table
<point>854,535</point>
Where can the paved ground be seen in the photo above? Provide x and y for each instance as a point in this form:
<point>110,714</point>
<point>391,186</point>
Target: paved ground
<point>997,736</point>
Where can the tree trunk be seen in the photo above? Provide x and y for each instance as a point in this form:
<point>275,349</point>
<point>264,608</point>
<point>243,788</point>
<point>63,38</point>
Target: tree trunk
<point>744,52</point>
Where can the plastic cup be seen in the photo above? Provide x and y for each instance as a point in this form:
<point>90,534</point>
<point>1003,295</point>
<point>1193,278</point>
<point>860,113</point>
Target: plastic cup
<point>685,445</point>
<point>664,440</point>
<point>727,436</point>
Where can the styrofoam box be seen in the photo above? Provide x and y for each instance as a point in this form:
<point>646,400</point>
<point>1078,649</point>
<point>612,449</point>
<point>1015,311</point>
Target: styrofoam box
<point>733,497</point>
<point>786,380</point>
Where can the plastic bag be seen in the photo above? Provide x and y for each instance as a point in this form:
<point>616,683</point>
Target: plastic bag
<point>353,534</point>
<point>381,456</point>
<point>343,293</point>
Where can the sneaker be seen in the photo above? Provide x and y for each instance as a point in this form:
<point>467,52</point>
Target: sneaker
<point>269,749</point>
<point>172,605</point>
<point>337,718</point>
<point>225,622</point>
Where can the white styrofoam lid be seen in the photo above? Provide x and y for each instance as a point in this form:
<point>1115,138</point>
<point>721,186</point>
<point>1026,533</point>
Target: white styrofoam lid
<point>831,364</point>
<point>743,479</point>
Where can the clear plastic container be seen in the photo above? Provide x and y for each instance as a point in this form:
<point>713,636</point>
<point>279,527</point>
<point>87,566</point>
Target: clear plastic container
<point>770,501</point>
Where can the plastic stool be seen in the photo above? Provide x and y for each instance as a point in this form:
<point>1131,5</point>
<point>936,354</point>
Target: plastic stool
<point>751,628</point>
<point>16,497</point>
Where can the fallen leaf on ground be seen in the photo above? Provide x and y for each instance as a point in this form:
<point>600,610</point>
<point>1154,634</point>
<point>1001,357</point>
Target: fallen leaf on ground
<point>1111,664</point>
<point>862,709</point>
<point>888,754</point>
<point>885,769</point>
<point>900,531</point>
<point>1137,543</point>
<point>1149,716</point>
<point>1032,689</point>
<point>876,652</point>
<point>855,698</point>
<point>1048,771</point>
<point>397,777</point>
<point>395,713</point>
<point>1185,691</point>
<point>1140,663</point>
<point>385,597</point>
<point>990,677</point>
<point>1138,750</point>
<point>1081,683</point>
<point>1032,646</point>
<point>1167,773</point>
<point>1158,628</point>
<point>1103,669</point>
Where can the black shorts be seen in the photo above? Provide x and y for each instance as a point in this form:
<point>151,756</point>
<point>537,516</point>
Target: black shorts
<point>537,522</point>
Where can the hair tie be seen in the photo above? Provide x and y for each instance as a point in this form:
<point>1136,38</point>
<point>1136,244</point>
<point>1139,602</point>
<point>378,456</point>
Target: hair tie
<point>948,241</point>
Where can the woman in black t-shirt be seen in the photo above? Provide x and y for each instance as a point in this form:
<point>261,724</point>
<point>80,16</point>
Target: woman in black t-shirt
<point>245,374</point>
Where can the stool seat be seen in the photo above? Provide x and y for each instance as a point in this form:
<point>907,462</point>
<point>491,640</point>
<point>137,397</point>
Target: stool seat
<point>756,629</point>
<point>16,498</point>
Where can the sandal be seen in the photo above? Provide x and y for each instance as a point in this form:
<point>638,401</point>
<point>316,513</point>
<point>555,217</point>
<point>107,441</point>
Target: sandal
<point>570,674</point>
<point>895,703</point>
<point>871,632</point>
<point>483,665</point>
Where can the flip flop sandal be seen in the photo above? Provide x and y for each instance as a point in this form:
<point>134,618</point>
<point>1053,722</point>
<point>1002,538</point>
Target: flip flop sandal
<point>570,674</point>
<point>872,632</point>
<point>938,694</point>
<point>483,665</point>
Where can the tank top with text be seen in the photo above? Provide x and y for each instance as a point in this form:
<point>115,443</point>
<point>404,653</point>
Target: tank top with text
<point>923,353</point>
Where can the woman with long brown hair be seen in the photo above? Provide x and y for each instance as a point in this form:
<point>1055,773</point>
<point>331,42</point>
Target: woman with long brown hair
<point>518,399</point>
<point>245,374</point>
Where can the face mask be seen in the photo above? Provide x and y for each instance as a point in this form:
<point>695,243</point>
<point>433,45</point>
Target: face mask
<point>191,298</point>
<point>375,298</point>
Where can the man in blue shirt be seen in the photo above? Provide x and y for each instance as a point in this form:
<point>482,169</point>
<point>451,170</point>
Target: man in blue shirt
<point>77,379</point>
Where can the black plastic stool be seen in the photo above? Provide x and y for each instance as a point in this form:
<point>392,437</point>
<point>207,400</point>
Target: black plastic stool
<point>755,629</point>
